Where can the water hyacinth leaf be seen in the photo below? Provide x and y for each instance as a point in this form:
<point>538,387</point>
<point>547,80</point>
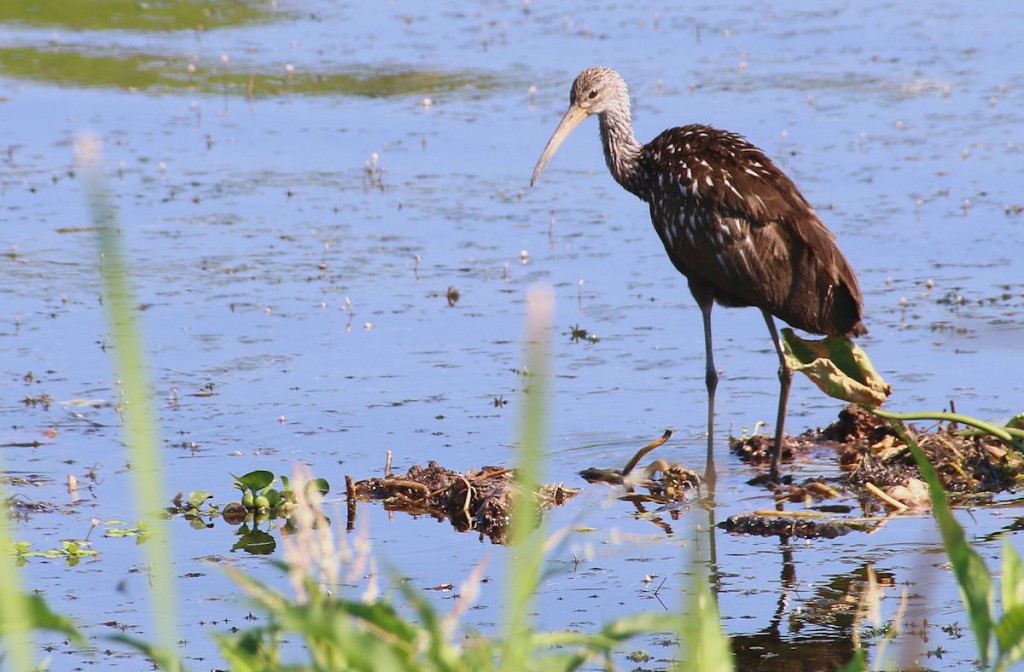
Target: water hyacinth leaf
<point>273,497</point>
<point>196,499</point>
<point>321,485</point>
<point>254,480</point>
<point>840,368</point>
<point>255,542</point>
<point>122,532</point>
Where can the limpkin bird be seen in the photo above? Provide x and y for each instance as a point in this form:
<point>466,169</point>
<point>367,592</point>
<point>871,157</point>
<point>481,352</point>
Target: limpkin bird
<point>731,221</point>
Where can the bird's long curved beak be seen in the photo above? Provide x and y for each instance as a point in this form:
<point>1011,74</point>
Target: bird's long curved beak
<point>573,116</point>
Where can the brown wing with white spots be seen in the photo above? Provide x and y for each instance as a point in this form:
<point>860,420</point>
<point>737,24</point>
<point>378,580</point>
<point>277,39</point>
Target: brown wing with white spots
<point>729,218</point>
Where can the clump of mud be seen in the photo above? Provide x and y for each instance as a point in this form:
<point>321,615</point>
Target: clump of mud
<point>472,500</point>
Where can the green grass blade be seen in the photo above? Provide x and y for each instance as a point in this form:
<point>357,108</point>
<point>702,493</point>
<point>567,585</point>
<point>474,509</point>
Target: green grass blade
<point>858,663</point>
<point>140,426</point>
<point>591,647</point>
<point>41,617</point>
<point>1010,628</point>
<point>1013,577</point>
<point>1009,633</point>
<point>970,571</point>
<point>15,632</point>
<point>526,550</point>
<point>163,658</point>
<point>705,645</point>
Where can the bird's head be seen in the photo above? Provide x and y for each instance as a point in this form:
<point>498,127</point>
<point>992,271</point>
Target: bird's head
<point>595,91</point>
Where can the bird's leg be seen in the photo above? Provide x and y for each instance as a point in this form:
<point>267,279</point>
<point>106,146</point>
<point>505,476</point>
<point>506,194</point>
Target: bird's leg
<point>785,380</point>
<point>711,381</point>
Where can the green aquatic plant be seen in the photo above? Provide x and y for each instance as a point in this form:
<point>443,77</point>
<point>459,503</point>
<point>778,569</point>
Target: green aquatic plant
<point>150,72</point>
<point>259,496</point>
<point>578,333</point>
<point>122,15</point>
<point>70,551</point>
<point>254,486</point>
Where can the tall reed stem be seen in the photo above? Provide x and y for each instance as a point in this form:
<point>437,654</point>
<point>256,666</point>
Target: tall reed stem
<point>141,434</point>
<point>526,552</point>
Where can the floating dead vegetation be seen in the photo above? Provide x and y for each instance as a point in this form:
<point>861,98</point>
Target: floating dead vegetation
<point>877,473</point>
<point>968,462</point>
<point>871,455</point>
<point>473,500</point>
<point>20,505</point>
<point>480,500</point>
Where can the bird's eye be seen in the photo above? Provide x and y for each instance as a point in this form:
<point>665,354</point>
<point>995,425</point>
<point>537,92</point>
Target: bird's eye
<point>592,94</point>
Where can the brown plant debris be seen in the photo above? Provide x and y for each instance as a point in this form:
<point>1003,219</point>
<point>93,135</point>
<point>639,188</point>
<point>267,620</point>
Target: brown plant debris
<point>757,449</point>
<point>809,492</point>
<point>968,463</point>
<point>474,500</point>
<point>877,474</point>
<point>665,482</point>
<point>869,452</point>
